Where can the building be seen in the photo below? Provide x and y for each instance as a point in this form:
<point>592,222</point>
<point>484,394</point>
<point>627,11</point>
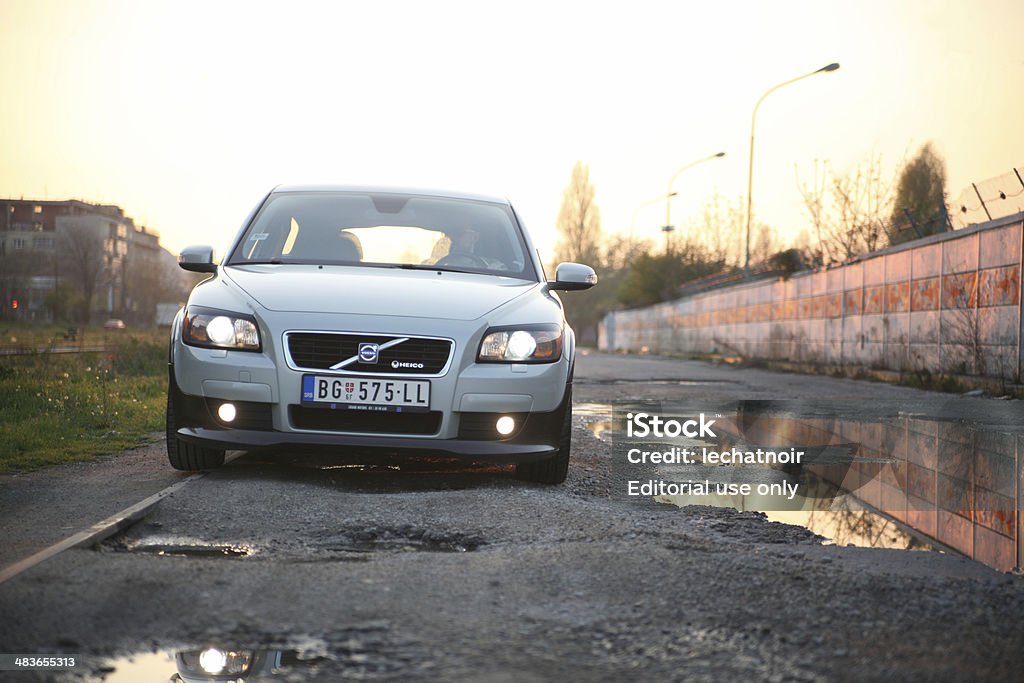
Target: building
<point>74,260</point>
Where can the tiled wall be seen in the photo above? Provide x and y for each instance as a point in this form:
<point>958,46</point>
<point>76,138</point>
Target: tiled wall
<point>948,303</point>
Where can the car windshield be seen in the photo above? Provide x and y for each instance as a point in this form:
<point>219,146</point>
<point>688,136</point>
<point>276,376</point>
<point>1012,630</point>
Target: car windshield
<point>385,229</point>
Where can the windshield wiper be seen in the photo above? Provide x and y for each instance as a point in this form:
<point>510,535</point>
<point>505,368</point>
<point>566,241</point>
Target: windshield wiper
<point>420,266</point>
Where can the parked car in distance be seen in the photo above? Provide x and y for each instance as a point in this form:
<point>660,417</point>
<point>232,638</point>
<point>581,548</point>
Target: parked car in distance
<point>380,322</point>
<point>114,324</point>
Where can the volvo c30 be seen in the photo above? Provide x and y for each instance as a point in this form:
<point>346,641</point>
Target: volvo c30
<point>376,322</point>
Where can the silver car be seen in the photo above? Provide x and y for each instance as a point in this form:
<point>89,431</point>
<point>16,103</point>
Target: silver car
<point>378,323</point>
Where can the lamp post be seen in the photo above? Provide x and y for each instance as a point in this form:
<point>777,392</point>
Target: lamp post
<point>668,230</point>
<point>750,170</point>
<point>669,193</point>
<point>632,221</point>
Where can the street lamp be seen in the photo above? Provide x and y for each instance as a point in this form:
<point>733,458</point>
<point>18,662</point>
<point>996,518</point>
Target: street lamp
<point>669,193</point>
<point>632,221</point>
<point>668,229</point>
<point>750,172</point>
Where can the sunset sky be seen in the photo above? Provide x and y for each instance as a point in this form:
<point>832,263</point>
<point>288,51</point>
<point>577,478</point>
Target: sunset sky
<point>186,113</point>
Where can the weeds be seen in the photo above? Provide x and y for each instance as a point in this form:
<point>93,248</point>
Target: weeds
<point>58,408</point>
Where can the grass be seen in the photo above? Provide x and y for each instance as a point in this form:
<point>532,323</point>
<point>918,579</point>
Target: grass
<point>61,408</point>
<point>925,379</point>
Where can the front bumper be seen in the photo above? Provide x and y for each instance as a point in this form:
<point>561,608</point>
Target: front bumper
<point>474,439</point>
<point>462,398</point>
<point>496,452</point>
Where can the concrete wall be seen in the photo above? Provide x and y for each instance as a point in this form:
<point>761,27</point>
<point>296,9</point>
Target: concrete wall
<point>948,303</point>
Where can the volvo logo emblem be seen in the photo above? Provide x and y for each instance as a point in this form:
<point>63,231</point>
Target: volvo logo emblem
<point>368,352</point>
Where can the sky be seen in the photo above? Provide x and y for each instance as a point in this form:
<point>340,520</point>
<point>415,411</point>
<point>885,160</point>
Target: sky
<point>186,113</point>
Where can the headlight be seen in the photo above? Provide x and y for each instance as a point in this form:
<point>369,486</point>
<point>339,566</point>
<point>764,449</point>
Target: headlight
<point>526,344</point>
<point>220,330</point>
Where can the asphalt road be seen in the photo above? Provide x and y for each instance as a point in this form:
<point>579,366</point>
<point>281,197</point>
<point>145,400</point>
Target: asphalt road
<point>474,576</point>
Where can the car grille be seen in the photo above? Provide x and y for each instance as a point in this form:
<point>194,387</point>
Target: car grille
<point>325,419</point>
<point>321,350</point>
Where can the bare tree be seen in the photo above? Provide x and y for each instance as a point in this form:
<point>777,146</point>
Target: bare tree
<point>143,279</point>
<point>579,220</point>
<point>961,331</point>
<point>850,212</point>
<point>815,198</point>
<point>864,200</point>
<point>721,230</point>
<point>82,253</point>
<point>764,243</point>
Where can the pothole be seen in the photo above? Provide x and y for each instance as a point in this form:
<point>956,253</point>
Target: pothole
<point>370,651</point>
<point>176,548</point>
<point>381,539</point>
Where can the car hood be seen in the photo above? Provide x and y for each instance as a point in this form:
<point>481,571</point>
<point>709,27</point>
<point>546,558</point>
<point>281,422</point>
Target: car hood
<point>376,291</point>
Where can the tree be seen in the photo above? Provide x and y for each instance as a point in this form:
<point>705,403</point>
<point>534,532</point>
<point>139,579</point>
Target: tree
<point>579,220</point>
<point>721,230</point>
<point>586,309</point>
<point>62,300</point>
<point>82,253</point>
<point>920,205</point>
<point>850,213</point>
<point>862,198</point>
<point>17,267</point>
<point>657,277</point>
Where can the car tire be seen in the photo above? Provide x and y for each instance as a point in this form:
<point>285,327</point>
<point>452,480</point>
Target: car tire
<point>555,469</point>
<point>185,456</point>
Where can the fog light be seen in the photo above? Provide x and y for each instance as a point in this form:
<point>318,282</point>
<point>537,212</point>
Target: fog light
<point>227,412</point>
<point>213,660</point>
<point>505,425</point>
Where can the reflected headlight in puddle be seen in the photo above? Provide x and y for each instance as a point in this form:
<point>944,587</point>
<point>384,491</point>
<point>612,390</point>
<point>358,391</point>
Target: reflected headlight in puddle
<point>214,661</point>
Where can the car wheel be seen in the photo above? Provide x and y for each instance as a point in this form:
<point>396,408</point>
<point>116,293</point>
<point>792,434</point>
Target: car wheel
<point>182,455</point>
<point>552,470</point>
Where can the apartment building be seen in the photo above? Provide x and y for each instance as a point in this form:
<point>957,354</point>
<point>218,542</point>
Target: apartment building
<point>91,257</point>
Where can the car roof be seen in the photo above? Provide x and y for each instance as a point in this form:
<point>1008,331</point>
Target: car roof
<point>387,189</point>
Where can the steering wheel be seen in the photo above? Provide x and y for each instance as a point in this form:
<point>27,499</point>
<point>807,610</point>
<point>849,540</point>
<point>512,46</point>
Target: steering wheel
<point>462,259</point>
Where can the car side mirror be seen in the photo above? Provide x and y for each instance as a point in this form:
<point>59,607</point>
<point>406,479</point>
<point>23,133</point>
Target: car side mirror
<point>198,259</point>
<point>570,277</point>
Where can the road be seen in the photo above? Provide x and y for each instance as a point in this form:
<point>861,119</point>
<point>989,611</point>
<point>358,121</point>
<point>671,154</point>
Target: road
<point>473,576</point>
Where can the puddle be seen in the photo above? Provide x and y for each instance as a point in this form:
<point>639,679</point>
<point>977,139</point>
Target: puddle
<point>175,548</point>
<point>854,525</point>
<point>597,417</point>
<point>364,541</point>
<point>941,474</point>
<point>370,651</point>
<point>839,518</point>
<point>355,543</point>
<point>592,410</point>
<point>602,429</point>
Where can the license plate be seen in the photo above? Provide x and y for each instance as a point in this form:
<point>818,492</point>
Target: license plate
<point>362,393</point>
